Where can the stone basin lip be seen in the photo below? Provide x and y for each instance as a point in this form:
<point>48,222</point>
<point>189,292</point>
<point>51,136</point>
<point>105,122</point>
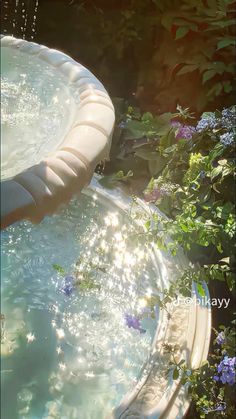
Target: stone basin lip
<point>40,189</point>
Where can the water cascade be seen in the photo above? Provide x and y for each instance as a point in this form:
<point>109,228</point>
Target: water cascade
<point>19,17</point>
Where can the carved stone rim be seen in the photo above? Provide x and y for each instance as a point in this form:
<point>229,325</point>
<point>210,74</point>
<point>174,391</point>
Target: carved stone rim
<point>39,190</point>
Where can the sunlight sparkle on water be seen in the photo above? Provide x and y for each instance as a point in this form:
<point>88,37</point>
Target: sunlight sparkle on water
<point>84,336</point>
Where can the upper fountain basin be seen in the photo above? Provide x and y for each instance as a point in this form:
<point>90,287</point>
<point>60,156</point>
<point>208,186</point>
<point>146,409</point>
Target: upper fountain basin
<point>57,122</point>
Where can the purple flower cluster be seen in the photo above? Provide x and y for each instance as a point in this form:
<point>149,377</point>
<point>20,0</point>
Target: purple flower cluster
<point>134,323</point>
<point>183,131</point>
<point>206,123</point>
<point>226,371</point>
<point>228,119</point>
<point>152,196</point>
<point>227,138</point>
<point>220,407</point>
<point>220,339</point>
<point>165,190</point>
<point>122,124</point>
<point>158,192</point>
<point>68,285</point>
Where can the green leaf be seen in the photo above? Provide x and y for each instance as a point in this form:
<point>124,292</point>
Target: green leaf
<point>184,227</point>
<point>219,248</point>
<point>88,284</point>
<point>155,166</point>
<point>227,86</point>
<point>170,150</point>
<point>147,117</point>
<point>108,181</point>
<point>111,181</point>
<point>187,68</point>
<point>221,24</point>
<point>217,151</point>
<point>136,129</point>
<point>225,42</point>
<point>207,75</point>
<point>230,282</point>
<point>215,90</point>
<point>146,154</point>
<point>208,115</point>
<point>59,269</point>
<point>201,290</point>
<point>162,123</point>
<point>181,32</point>
<point>147,225</point>
<point>166,21</point>
<point>216,172</point>
<point>175,374</point>
<point>222,162</point>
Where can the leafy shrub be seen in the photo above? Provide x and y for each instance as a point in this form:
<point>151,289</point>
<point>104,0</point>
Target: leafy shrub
<point>211,386</point>
<point>191,167</point>
<point>165,51</point>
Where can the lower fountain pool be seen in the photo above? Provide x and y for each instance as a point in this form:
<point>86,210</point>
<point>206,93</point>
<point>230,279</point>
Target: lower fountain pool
<point>75,329</point>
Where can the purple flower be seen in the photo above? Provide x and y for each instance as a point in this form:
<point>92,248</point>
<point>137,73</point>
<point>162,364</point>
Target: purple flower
<point>134,323</point>
<point>152,196</point>
<point>220,339</point>
<point>202,174</point>
<point>227,138</point>
<point>176,124</point>
<point>220,407</point>
<point>182,131</point>
<point>68,285</point>
<point>206,123</point>
<point>122,124</point>
<point>185,132</point>
<point>228,118</point>
<point>157,193</point>
<point>226,371</point>
<point>165,190</point>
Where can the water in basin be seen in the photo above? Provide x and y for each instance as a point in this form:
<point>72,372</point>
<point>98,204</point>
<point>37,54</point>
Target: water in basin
<point>69,352</point>
<point>37,110</point>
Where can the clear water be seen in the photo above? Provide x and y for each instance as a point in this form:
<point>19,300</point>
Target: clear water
<point>73,356</point>
<point>37,110</point>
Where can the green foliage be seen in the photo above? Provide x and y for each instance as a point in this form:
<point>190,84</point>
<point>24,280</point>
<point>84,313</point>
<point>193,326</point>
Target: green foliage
<point>114,180</point>
<point>86,283</point>
<point>59,269</point>
<point>172,50</point>
<point>192,184</point>
<point>212,398</point>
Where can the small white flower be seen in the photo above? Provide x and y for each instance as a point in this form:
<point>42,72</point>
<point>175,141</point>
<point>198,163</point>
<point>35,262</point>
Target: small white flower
<point>30,337</point>
<point>60,333</point>
<point>62,366</point>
